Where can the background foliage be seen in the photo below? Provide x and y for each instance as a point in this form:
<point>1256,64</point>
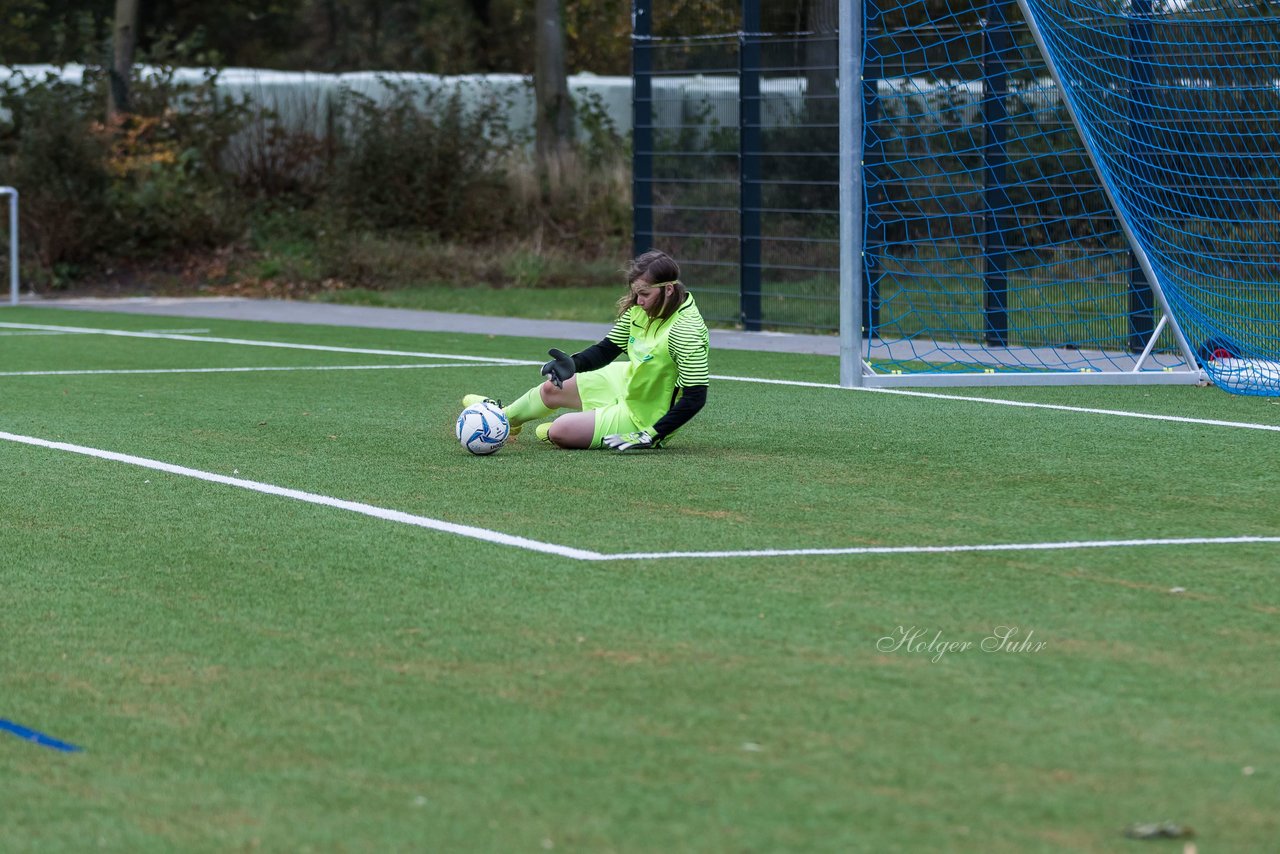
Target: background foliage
<point>192,188</point>
<point>193,183</point>
<point>441,36</point>
<point>438,36</point>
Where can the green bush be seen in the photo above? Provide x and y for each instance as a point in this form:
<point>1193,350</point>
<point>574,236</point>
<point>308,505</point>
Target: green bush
<point>365,193</point>
<point>148,183</point>
<point>50,151</point>
<point>172,190</point>
<point>423,162</point>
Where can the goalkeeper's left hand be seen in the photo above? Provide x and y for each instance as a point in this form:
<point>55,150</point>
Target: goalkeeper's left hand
<point>637,441</point>
<point>560,368</point>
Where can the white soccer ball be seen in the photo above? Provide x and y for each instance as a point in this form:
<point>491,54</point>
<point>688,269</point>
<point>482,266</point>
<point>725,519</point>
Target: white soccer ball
<point>483,429</point>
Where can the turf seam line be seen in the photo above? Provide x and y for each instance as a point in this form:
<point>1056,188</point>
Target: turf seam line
<point>470,531</point>
<point>499,538</point>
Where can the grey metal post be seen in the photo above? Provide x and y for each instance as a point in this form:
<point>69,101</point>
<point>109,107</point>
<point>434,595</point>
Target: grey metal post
<point>641,126</point>
<point>13,242</point>
<point>997,225</point>
<point>851,193</point>
<point>750,275</point>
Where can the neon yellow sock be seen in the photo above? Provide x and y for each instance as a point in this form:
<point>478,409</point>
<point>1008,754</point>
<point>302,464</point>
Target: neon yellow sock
<point>528,408</point>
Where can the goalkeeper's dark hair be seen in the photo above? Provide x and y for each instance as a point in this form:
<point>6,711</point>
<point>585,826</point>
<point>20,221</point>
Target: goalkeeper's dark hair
<point>651,269</point>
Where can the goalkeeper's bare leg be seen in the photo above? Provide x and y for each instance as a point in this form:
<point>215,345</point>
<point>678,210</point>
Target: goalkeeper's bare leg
<point>571,430</point>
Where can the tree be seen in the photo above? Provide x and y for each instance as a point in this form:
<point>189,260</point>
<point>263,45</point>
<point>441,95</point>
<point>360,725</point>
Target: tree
<point>822,53</point>
<point>124,37</point>
<point>553,125</point>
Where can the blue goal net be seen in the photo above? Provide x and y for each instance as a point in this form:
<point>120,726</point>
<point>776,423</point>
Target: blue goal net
<point>1179,101</point>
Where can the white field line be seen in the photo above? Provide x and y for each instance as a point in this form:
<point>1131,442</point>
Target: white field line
<point>915,550</point>
<point>499,538</point>
<point>490,361</point>
<point>1121,413</point>
<point>248,342</point>
<point>250,370</point>
<point>763,381</point>
<point>14,333</point>
<point>1208,422</point>
<point>312,498</point>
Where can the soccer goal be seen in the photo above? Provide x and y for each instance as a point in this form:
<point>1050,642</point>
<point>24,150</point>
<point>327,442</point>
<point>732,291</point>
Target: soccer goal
<point>1068,192</point>
<point>1029,191</point>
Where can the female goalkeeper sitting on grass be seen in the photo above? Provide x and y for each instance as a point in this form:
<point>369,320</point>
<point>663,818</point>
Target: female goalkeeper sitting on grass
<point>634,403</point>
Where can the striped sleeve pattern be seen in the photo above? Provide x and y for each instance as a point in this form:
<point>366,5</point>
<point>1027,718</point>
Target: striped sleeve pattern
<point>620,334</point>
<point>689,346</point>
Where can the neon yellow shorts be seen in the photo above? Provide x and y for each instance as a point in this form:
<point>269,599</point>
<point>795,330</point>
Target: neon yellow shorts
<point>604,393</point>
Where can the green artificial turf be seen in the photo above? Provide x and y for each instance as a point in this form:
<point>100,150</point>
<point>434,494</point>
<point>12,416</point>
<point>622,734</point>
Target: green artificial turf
<point>249,671</point>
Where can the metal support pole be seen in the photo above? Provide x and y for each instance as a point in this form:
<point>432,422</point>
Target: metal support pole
<point>851,194</point>
<point>749,255</point>
<point>12,193</point>
<point>995,159</point>
<point>641,126</point>
<point>874,196</point>
<point>1151,344</point>
<point>1141,308</point>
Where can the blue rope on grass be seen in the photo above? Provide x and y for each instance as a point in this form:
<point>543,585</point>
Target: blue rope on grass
<point>37,737</point>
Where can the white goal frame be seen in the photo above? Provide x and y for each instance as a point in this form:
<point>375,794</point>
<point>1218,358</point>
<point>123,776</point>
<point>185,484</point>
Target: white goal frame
<point>855,369</point>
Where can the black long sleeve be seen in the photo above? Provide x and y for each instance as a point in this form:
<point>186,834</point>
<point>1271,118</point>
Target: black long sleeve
<point>689,404</point>
<point>596,356</point>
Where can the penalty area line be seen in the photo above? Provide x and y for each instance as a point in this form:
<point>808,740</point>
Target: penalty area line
<point>499,538</point>
<point>980,547</point>
<point>363,509</point>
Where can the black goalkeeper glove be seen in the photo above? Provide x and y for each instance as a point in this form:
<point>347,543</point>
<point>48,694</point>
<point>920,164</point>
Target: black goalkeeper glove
<point>560,368</point>
<point>638,441</point>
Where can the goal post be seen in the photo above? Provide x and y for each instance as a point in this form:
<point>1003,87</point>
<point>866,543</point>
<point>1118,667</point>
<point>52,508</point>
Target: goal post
<point>852,366</point>
<point>1061,192</point>
<point>13,242</point>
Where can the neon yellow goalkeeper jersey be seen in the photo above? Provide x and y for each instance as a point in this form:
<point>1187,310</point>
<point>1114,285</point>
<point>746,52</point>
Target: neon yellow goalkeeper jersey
<point>664,357</point>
